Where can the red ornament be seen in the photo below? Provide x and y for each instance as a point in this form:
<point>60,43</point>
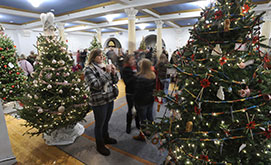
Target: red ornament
<point>3,57</point>
<point>14,46</point>
<point>12,86</point>
<point>205,83</point>
<point>267,133</point>
<point>266,59</point>
<point>223,60</point>
<point>1,48</point>
<point>5,66</point>
<point>193,57</point>
<point>66,40</point>
<point>255,39</point>
<point>197,110</point>
<point>204,157</point>
<point>251,125</point>
<point>218,14</point>
<point>245,8</point>
<point>18,73</point>
<point>4,98</point>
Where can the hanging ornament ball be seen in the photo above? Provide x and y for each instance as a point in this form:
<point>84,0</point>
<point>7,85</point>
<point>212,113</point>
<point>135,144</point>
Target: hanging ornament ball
<point>61,91</point>
<point>79,80</point>
<point>40,110</point>
<point>36,97</point>
<point>57,74</point>
<point>3,57</point>
<point>18,73</point>
<point>29,96</point>
<point>61,62</point>
<point>77,90</point>
<point>4,89</point>
<point>49,86</point>
<point>53,61</point>
<point>61,109</point>
<point>10,91</point>
<point>189,126</point>
<point>230,89</point>
<point>12,86</point>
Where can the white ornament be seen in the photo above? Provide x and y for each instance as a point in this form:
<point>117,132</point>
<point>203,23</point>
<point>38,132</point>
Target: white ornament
<point>79,80</point>
<point>61,62</point>
<point>49,86</point>
<point>61,91</point>
<point>61,109</point>
<point>243,65</point>
<point>242,147</point>
<point>10,65</point>
<point>29,96</point>
<point>40,110</point>
<point>217,50</point>
<point>35,81</point>
<point>77,89</point>
<point>220,93</point>
<point>36,97</point>
<point>53,61</point>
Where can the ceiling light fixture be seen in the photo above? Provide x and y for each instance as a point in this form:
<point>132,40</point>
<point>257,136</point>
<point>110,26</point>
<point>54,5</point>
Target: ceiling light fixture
<point>35,3</point>
<point>111,17</point>
<point>142,26</point>
<point>203,4</point>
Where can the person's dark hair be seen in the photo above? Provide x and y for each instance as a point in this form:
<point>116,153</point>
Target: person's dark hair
<point>127,58</point>
<point>93,54</point>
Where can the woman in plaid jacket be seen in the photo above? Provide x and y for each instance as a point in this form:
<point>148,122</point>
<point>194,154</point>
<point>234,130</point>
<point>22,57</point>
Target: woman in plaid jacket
<point>102,80</point>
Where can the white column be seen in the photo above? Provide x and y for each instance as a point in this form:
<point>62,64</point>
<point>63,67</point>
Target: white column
<point>266,27</point>
<point>61,28</point>
<point>159,26</point>
<point>99,35</point>
<point>131,29</point>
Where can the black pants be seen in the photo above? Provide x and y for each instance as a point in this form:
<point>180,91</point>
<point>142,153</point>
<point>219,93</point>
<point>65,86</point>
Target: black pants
<point>102,115</point>
<point>130,102</point>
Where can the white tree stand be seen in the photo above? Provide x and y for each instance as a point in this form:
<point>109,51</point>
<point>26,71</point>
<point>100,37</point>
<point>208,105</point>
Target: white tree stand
<point>6,155</point>
<point>64,136</point>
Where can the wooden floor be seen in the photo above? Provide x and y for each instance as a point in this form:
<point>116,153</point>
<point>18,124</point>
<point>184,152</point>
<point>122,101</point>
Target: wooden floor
<point>32,150</point>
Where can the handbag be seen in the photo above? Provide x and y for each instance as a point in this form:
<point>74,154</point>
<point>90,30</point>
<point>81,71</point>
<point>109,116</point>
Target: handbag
<point>115,90</point>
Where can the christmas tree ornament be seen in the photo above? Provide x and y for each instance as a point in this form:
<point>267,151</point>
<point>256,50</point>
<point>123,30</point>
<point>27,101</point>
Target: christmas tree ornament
<point>49,76</point>
<point>230,89</point>
<point>244,65</point>
<point>36,97</point>
<point>227,24</point>
<point>40,110</point>
<point>242,147</point>
<point>60,91</point>
<point>61,62</point>
<point>10,65</point>
<point>49,86</point>
<point>53,61</point>
<point>244,92</point>
<point>266,97</point>
<point>189,126</point>
<point>220,93</point>
<point>77,90</point>
<point>217,50</point>
<point>61,109</point>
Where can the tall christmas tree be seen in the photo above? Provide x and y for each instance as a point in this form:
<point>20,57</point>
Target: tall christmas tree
<point>11,75</point>
<point>95,44</point>
<point>142,45</point>
<point>57,97</point>
<point>220,113</point>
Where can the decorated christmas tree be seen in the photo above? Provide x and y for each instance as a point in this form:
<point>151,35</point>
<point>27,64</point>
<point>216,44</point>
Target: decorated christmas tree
<point>220,111</point>
<point>142,45</point>
<point>95,44</point>
<point>57,97</point>
<point>11,75</point>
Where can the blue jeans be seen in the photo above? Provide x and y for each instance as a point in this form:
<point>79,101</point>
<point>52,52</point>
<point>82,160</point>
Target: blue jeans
<point>165,83</point>
<point>145,112</point>
<point>102,115</point>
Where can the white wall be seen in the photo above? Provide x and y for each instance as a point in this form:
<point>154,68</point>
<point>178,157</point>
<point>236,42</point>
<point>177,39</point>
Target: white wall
<point>173,38</point>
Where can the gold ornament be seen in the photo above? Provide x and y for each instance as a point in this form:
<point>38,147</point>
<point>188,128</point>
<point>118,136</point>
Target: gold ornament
<point>227,24</point>
<point>189,126</point>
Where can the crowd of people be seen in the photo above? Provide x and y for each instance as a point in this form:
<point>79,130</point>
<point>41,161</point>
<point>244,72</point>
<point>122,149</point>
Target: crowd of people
<point>140,77</point>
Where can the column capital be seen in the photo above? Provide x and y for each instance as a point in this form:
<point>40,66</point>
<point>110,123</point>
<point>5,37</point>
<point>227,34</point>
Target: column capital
<point>60,25</point>
<point>98,30</point>
<point>159,23</point>
<point>267,16</point>
<point>131,12</point>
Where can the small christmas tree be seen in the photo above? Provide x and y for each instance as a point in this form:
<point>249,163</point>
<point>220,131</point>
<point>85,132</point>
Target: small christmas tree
<point>220,113</point>
<point>11,75</point>
<point>142,46</point>
<point>95,44</point>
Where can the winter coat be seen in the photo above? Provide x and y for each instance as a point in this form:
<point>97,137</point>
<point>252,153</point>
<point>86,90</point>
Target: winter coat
<point>102,85</point>
<point>144,89</point>
<point>129,78</point>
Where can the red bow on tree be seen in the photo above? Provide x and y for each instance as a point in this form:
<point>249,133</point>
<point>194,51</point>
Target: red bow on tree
<point>245,8</point>
<point>251,125</point>
<point>205,83</point>
<point>197,110</point>
<point>204,157</point>
<point>267,133</point>
<point>218,14</point>
<point>223,60</point>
